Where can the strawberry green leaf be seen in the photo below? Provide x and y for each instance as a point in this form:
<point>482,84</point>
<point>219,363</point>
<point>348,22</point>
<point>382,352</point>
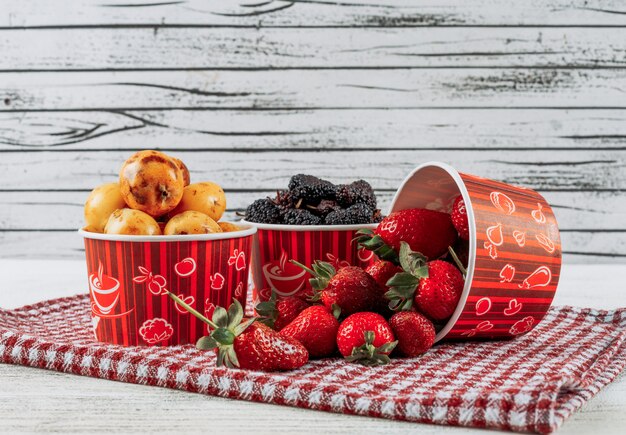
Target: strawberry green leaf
<point>401,291</point>
<point>321,271</point>
<point>220,357</point>
<point>363,232</point>
<point>388,347</point>
<point>243,326</point>
<point>336,309</point>
<point>267,310</point>
<point>206,343</point>
<point>373,242</point>
<point>231,358</point>
<point>235,314</point>
<point>368,354</point>
<point>402,279</point>
<point>220,317</point>
<point>223,336</point>
<point>413,262</point>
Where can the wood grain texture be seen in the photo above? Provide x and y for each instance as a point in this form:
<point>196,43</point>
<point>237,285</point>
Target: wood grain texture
<point>52,401</point>
<point>306,13</point>
<point>480,129</point>
<point>527,92</point>
<point>331,48</point>
<point>22,211</point>
<point>315,89</point>
<point>569,170</point>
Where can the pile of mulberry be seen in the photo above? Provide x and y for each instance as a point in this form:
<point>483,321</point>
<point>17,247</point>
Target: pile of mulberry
<point>310,200</point>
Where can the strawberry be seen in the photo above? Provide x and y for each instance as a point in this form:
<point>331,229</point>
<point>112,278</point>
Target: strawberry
<point>382,271</point>
<point>459,218</point>
<point>427,231</point>
<point>366,338</point>
<point>316,328</point>
<point>435,287</point>
<point>439,294</point>
<point>415,333</point>
<point>247,343</point>
<point>349,289</point>
<point>259,347</point>
<point>279,312</point>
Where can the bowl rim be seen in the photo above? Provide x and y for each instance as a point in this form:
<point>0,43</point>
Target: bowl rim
<point>248,231</point>
<point>467,286</point>
<point>282,227</point>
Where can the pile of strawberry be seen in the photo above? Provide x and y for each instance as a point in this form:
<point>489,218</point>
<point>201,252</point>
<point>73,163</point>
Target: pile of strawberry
<point>395,305</point>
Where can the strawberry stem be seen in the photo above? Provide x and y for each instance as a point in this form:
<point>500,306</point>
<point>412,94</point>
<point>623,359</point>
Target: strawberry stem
<point>302,266</point>
<point>322,273</point>
<point>195,313</point>
<point>457,261</point>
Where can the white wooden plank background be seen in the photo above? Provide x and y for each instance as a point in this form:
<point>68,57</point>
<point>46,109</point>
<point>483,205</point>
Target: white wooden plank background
<point>316,13</point>
<point>311,48</point>
<point>530,92</point>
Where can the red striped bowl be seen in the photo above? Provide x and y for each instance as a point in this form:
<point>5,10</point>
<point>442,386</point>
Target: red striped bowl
<point>277,244</point>
<point>514,250</point>
<point>129,277</point>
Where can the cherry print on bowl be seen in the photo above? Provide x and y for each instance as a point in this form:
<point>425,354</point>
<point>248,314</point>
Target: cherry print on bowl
<point>189,300</point>
<point>185,267</point>
<point>365,255</point>
<point>483,306</point>
<point>483,326</point>
<point>156,283</point>
<point>336,262</point>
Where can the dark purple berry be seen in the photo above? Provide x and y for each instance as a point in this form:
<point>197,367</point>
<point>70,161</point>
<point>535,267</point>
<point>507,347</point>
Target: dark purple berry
<point>299,216</point>
<point>310,188</point>
<point>263,211</point>
<point>353,215</point>
<point>324,207</point>
<point>358,192</point>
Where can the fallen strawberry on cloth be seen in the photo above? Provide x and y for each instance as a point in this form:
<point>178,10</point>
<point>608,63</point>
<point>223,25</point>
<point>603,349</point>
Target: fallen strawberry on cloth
<point>529,384</point>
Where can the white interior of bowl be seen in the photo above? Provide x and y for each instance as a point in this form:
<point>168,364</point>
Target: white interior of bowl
<point>434,185</point>
<point>279,227</point>
<point>246,230</point>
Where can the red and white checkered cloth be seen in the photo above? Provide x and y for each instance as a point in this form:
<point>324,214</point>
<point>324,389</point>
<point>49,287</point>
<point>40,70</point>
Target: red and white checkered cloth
<point>529,384</point>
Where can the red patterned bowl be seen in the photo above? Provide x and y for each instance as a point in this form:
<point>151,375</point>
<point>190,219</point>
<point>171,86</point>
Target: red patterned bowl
<point>277,244</point>
<point>514,250</point>
<point>129,277</point>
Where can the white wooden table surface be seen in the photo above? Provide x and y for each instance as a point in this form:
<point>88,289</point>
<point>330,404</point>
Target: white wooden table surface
<point>40,400</point>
